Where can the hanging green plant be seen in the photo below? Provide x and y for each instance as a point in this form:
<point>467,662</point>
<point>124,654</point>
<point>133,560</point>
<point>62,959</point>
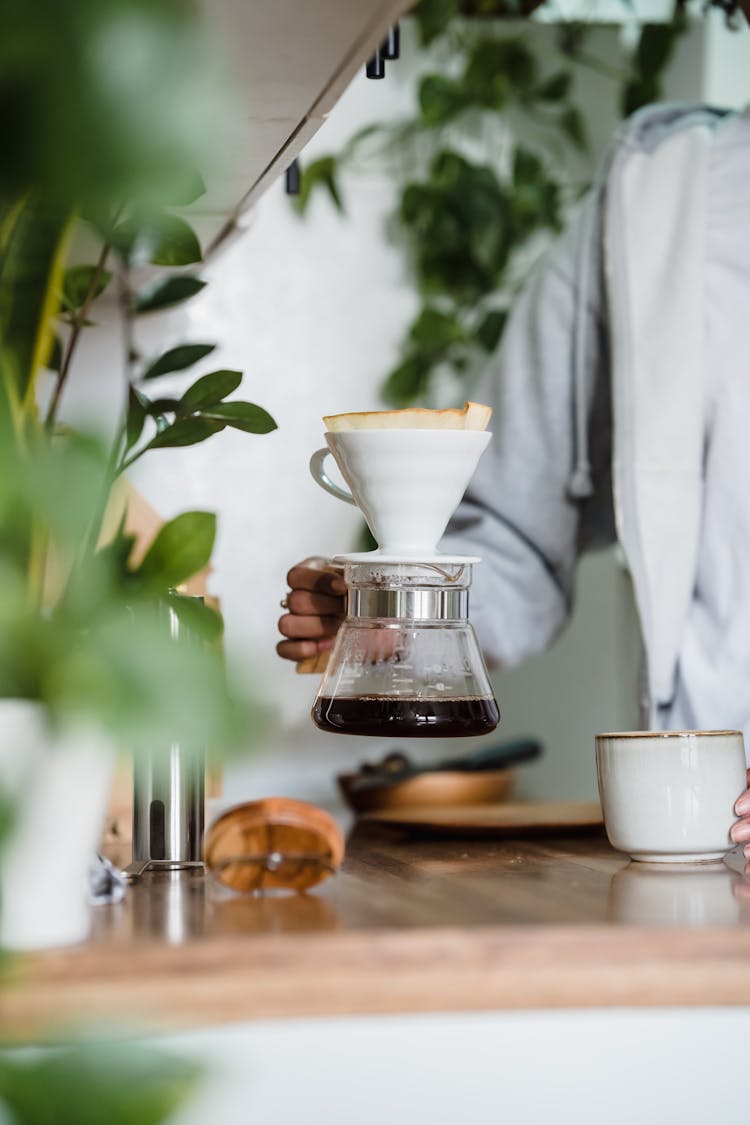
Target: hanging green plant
<point>468,225</point>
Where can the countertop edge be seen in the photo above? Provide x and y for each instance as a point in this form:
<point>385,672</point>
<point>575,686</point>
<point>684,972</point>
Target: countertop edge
<point>386,971</point>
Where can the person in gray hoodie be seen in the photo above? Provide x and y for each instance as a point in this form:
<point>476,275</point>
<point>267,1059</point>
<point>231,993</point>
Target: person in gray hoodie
<point>621,412</point>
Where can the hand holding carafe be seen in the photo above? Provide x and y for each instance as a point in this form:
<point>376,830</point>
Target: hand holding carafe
<point>406,661</point>
<point>315,607</point>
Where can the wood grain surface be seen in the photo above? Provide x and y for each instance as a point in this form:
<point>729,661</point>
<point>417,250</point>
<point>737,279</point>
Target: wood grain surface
<point>434,925</point>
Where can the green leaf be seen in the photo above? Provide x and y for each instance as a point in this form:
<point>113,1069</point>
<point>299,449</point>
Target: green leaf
<point>440,99</point>
<point>536,199</point>
<point>519,64</point>
<point>8,815</point>
<point>459,228</point>
<point>161,406</point>
<point>209,390</point>
<point>571,38</point>
<point>100,215</point>
<point>165,294</point>
<point>638,92</point>
<point>138,406</point>
<point>433,17</point>
<point>126,239</point>
<point>497,68</point>
<point>435,331</point>
<point>106,101</point>
<point>163,240</point>
<point>181,548</point>
<point>332,187</point>
<point>189,188</point>
<point>491,328</point>
<point>118,1083</point>
<point>197,618</point>
<point>64,484</point>
<point>319,174</point>
<point>652,56</point>
<point>242,416</point>
<point>177,359</point>
<point>54,359</point>
<point>527,167</point>
<point>367,133</point>
<point>30,274</point>
<point>407,382</point>
<point>655,49</point>
<point>556,88</point>
<point>81,283</point>
<point>571,123</point>
<point>186,431</point>
<point>365,541</point>
<point>118,551</point>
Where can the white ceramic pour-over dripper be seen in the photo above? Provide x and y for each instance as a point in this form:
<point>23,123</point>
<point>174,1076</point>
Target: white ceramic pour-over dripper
<point>406,483</point>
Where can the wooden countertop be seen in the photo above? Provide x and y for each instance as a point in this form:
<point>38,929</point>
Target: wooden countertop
<point>407,926</point>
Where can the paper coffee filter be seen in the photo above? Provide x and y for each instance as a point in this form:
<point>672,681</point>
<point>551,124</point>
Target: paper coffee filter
<point>472,416</point>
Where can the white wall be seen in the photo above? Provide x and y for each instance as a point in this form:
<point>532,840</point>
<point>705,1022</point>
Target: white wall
<point>313,312</point>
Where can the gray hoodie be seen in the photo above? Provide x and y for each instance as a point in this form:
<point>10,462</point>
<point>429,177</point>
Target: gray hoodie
<point>600,409</point>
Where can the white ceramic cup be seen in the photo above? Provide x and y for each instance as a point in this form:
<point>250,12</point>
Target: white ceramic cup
<point>406,483</point>
<point>668,796</point>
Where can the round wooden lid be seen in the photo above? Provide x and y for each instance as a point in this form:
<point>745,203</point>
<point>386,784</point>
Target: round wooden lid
<point>276,843</point>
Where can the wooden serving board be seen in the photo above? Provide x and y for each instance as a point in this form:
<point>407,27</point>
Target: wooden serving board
<point>506,819</point>
<point>438,788</point>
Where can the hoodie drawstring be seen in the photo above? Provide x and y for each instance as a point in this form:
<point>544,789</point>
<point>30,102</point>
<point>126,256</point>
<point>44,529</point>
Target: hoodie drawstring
<point>580,484</point>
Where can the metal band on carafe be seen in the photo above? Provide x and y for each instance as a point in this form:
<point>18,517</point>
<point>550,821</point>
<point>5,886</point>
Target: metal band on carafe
<point>409,604</point>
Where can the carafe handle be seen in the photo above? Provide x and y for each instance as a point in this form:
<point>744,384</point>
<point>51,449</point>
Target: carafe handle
<point>321,476</point>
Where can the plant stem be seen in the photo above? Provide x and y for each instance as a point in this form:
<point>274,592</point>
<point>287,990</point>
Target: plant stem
<point>114,468</point>
<point>124,299</point>
<point>126,312</point>
<point>130,461</point>
<point>94,532</point>
<point>38,548</point>
<point>78,322</point>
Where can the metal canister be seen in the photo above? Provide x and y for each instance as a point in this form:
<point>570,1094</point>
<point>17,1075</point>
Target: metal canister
<point>168,798</point>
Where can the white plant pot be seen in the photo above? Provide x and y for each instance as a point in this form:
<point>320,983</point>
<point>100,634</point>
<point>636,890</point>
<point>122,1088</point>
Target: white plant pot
<point>58,783</point>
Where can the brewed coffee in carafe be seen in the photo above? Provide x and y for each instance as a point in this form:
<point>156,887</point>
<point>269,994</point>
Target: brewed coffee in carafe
<point>405,662</point>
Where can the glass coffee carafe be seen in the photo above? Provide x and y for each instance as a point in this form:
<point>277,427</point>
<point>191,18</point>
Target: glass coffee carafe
<point>406,662</point>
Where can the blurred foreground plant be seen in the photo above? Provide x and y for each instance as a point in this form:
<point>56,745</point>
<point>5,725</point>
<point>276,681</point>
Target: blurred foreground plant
<point>92,1083</point>
<point>101,649</point>
<point>105,106</point>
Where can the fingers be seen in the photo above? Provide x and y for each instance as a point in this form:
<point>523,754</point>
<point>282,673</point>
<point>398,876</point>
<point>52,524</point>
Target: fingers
<point>316,607</point>
<point>742,804</point>
<point>309,604</point>
<point>740,831</point>
<point>302,650</point>
<point>295,627</point>
<point>317,581</point>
